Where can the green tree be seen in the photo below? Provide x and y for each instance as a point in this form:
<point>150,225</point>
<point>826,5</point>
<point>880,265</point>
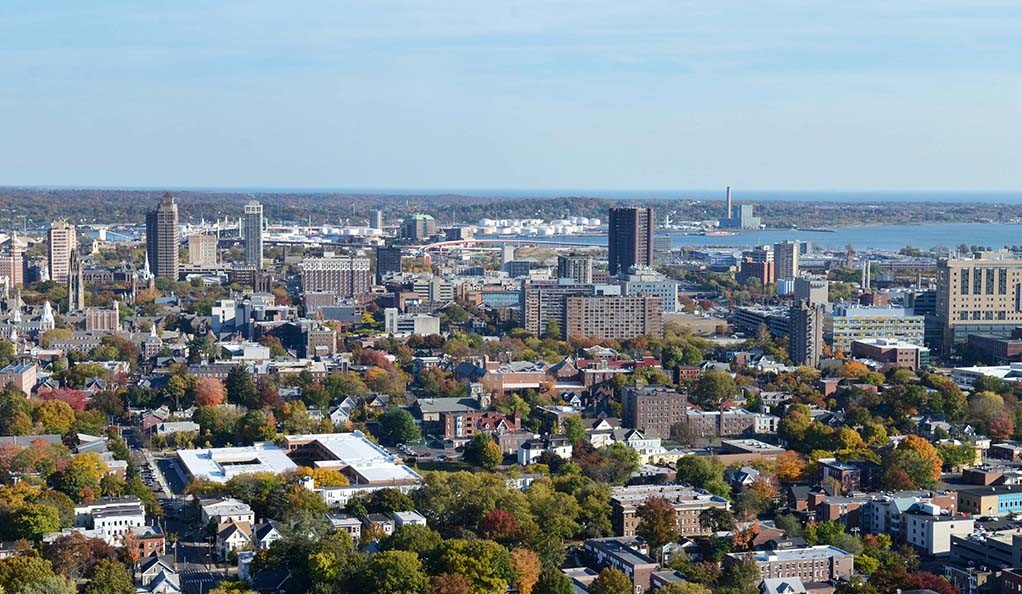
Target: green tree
<point>714,387</point>
<point>657,524</point>
<point>398,426</point>
<point>421,540</point>
<point>395,572</point>
<point>553,330</point>
<point>553,581</point>
<point>574,430</point>
<point>703,473</point>
<point>33,521</point>
<point>241,388</point>
<point>109,577</point>
<point>483,451</point>
<point>611,581</point>
<point>485,563</point>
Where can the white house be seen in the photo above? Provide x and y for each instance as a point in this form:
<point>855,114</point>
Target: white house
<point>408,518</point>
<point>226,510</point>
<point>233,536</point>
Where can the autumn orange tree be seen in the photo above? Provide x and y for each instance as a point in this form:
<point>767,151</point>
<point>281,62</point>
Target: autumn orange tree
<point>790,467</point>
<point>527,567</point>
<point>208,391</point>
<point>657,523</point>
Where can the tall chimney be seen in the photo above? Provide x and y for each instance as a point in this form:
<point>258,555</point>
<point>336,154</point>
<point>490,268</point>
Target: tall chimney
<point>729,202</point>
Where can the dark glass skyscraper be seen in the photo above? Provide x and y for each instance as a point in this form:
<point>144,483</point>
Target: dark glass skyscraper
<point>161,238</point>
<point>629,238</point>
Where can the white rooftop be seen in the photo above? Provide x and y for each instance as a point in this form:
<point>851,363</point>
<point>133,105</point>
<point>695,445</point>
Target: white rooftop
<point>221,464</point>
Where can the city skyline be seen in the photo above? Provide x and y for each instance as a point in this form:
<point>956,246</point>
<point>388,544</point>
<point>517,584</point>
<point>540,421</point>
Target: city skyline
<point>778,95</point>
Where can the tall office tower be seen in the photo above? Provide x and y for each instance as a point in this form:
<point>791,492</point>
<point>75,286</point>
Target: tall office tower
<point>161,238</point>
<point>63,240</point>
<point>76,283</point>
<point>376,221</point>
<point>578,267</point>
<point>979,295</point>
<point>388,261</point>
<point>202,250</point>
<point>805,333</point>
<point>629,238</point>
<point>786,256</point>
<point>254,234</point>
<point>730,212</point>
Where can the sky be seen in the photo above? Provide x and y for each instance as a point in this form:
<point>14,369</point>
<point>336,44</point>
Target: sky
<point>546,94</point>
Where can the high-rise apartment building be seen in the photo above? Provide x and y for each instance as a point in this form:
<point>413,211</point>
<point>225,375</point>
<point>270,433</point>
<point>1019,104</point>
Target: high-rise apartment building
<point>376,219</point>
<point>614,317</point>
<point>805,334</point>
<point>979,295</point>
<point>254,234</point>
<point>388,261</point>
<point>649,282</point>
<point>814,290</point>
<point>577,267</point>
<point>63,239</point>
<point>544,303</point>
<point>786,256</point>
<point>629,238</point>
<point>344,276</point>
<point>418,227</point>
<point>202,249</point>
<point>161,238</point>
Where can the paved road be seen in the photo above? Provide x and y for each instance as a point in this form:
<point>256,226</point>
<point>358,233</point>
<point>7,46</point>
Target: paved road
<point>158,475</point>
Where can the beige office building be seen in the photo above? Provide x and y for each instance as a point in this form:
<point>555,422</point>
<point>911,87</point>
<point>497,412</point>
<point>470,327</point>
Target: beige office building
<point>978,295</point>
<point>202,250</point>
<point>63,238</point>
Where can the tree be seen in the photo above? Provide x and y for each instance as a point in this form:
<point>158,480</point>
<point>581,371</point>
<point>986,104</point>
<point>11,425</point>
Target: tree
<point>611,581</point>
<point>714,387</point>
<point>81,478</point>
<point>527,566</point>
<point>109,577</point>
<point>915,459</point>
<point>703,473</point>
<point>395,572</point>
<point>75,554</point>
<point>790,467</point>
<point>398,426</point>
<point>241,388</point>
<point>25,574</point>
<point>422,540</point>
<point>483,451</point>
<point>498,525</point>
<point>573,428</point>
<point>657,524</point>
<point>33,521</point>
<point>553,330</point>
<point>716,519</point>
<point>54,416</point>
<point>956,456</point>
<point>553,581</point>
<point>449,583</point>
<point>209,391</point>
<point>485,563</point>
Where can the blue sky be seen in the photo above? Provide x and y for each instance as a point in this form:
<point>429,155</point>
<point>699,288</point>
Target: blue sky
<point>912,94</point>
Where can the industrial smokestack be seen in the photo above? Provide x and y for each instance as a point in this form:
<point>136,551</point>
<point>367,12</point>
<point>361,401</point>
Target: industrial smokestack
<point>729,202</point>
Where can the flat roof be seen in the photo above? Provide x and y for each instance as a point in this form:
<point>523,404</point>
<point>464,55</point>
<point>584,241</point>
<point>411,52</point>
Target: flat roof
<point>817,552</point>
<point>221,464</point>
